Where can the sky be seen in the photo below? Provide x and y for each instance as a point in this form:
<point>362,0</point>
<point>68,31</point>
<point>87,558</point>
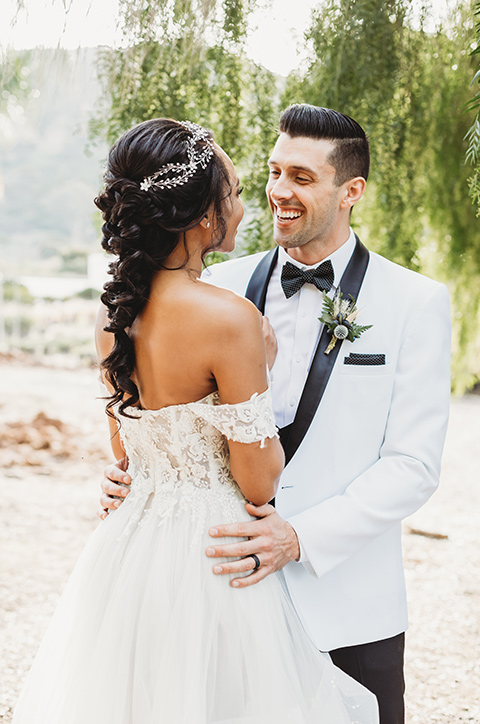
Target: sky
<point>275,31</point>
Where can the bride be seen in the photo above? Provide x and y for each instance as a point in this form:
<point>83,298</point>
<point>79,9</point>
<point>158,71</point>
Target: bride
<point>144,632</point>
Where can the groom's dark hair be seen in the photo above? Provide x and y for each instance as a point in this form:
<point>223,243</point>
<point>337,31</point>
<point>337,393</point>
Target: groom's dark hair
<point>351,155</point>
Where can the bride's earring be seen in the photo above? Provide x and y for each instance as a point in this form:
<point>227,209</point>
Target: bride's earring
<point>208,224</point>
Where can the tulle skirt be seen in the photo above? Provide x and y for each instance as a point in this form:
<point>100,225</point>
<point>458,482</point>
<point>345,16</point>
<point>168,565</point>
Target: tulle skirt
<point>145,633</point>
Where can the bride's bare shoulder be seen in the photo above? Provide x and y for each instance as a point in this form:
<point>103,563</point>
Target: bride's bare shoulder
<point>226,308</point>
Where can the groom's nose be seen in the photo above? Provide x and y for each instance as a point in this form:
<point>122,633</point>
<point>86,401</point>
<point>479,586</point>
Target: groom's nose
<point>280,189</point>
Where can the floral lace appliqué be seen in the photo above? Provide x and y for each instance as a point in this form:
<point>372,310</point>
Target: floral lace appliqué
<point>179,458</point>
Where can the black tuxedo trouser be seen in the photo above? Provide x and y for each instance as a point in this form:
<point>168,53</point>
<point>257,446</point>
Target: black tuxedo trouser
<point>379,667</point>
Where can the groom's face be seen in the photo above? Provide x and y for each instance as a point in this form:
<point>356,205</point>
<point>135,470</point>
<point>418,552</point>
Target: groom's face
<point>301,191</point>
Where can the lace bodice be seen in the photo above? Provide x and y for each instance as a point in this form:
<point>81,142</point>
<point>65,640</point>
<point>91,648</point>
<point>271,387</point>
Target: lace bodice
<point>179,454</point>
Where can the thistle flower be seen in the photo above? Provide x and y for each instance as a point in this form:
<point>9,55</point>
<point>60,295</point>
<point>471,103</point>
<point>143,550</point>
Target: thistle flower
<point>338,315</point>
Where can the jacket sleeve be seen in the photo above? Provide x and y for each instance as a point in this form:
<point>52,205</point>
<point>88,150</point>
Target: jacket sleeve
<point>407,471</point>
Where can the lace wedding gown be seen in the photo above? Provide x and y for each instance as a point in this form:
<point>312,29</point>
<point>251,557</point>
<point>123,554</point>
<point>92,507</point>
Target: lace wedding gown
<point>145,633</point>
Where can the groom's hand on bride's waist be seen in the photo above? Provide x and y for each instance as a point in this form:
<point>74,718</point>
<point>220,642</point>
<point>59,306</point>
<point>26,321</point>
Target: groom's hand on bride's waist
<point>271,544</point>
<point>115,486</point>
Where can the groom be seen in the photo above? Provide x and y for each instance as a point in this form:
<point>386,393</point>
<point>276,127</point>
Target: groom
<point>362,426</point>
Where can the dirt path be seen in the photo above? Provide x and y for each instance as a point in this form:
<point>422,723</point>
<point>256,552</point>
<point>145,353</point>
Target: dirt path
<point>49,489</point>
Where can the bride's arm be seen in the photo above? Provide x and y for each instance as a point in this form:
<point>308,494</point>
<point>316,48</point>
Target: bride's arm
<point>113,473</point>
<point>239,367</point>
<point>104,343</point>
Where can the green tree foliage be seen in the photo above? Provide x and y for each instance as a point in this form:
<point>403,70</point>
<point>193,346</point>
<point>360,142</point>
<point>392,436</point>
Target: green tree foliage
<point>472,156</point>
<point>15,292</point>
<point>17,93</point>
<point>407,88</point>
<point>74,261</point>
<point>185,59</point>
<point>372,59</point>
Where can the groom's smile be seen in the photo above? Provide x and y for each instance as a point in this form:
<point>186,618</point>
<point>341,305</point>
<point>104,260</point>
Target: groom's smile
<point>303,196</point>
<point>285,216</point>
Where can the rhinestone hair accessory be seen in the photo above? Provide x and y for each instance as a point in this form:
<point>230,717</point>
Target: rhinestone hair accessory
<point>180,173</point>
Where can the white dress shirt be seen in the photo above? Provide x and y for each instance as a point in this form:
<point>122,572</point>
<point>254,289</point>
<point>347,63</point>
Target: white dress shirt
<point>297,328</point>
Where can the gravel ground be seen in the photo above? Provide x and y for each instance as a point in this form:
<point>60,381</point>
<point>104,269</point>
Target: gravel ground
<point>50,468</point>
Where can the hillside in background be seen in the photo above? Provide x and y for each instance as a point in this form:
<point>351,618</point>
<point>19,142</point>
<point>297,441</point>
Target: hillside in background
<point>49,171</point>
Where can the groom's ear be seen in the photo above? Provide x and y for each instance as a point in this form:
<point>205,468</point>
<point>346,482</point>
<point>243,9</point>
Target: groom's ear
<point>353,190</point>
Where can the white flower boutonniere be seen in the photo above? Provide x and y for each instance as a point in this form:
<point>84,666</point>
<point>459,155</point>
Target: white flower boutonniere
<point>339,315</point>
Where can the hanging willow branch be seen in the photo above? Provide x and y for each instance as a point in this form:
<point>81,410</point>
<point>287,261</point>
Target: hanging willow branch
<point>472,155</point>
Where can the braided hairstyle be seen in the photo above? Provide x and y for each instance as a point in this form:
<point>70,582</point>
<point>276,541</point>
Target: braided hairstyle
<point>142,228</point>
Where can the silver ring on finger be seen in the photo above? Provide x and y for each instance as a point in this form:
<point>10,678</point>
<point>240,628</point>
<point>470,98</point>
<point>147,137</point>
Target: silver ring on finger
<point>256,560</point>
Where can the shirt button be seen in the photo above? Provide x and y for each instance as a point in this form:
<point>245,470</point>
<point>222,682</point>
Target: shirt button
<point>304,314</point>
<point>291,402</point>
<point>299,359</point>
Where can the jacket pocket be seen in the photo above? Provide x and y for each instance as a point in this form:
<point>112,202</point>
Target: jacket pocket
<point>365,370</point>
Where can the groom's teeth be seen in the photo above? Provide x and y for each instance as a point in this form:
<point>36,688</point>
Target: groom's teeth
<point>288,214</point>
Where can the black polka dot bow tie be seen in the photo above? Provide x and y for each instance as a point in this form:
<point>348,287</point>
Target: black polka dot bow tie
<point>293,278</point>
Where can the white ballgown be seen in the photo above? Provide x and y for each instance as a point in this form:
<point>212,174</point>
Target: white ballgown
<point>145,633</point>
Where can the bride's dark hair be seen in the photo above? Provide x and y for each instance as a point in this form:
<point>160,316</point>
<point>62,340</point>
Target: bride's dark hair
<point>142,228</point>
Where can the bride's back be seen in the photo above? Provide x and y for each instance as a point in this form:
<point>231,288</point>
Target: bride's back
<point>177,338</point>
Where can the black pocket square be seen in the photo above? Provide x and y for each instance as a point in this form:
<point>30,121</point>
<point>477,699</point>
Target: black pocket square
<point>364,359</point>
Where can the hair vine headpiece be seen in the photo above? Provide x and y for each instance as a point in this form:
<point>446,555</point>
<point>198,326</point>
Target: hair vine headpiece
<point>182,172</point>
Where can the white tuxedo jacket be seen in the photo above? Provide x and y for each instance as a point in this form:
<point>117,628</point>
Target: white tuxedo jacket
<point>370,457</point>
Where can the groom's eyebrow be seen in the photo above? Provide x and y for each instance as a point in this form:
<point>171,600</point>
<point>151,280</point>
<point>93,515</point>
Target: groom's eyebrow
<point>294,167</point>
<point>307,169</point>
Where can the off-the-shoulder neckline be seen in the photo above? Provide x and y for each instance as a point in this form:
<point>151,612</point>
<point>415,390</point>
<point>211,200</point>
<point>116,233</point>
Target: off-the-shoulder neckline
<point>202,401</point>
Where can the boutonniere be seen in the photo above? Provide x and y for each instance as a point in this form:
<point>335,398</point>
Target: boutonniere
<point>339,316</point>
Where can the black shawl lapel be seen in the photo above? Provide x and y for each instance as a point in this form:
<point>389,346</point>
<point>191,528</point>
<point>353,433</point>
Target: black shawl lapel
<point>322,364</point>
<point>258,284</point>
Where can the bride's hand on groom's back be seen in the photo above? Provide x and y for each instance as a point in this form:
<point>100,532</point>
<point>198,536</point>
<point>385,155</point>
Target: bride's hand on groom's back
<point>115,486</point>
<point>271,346</point>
